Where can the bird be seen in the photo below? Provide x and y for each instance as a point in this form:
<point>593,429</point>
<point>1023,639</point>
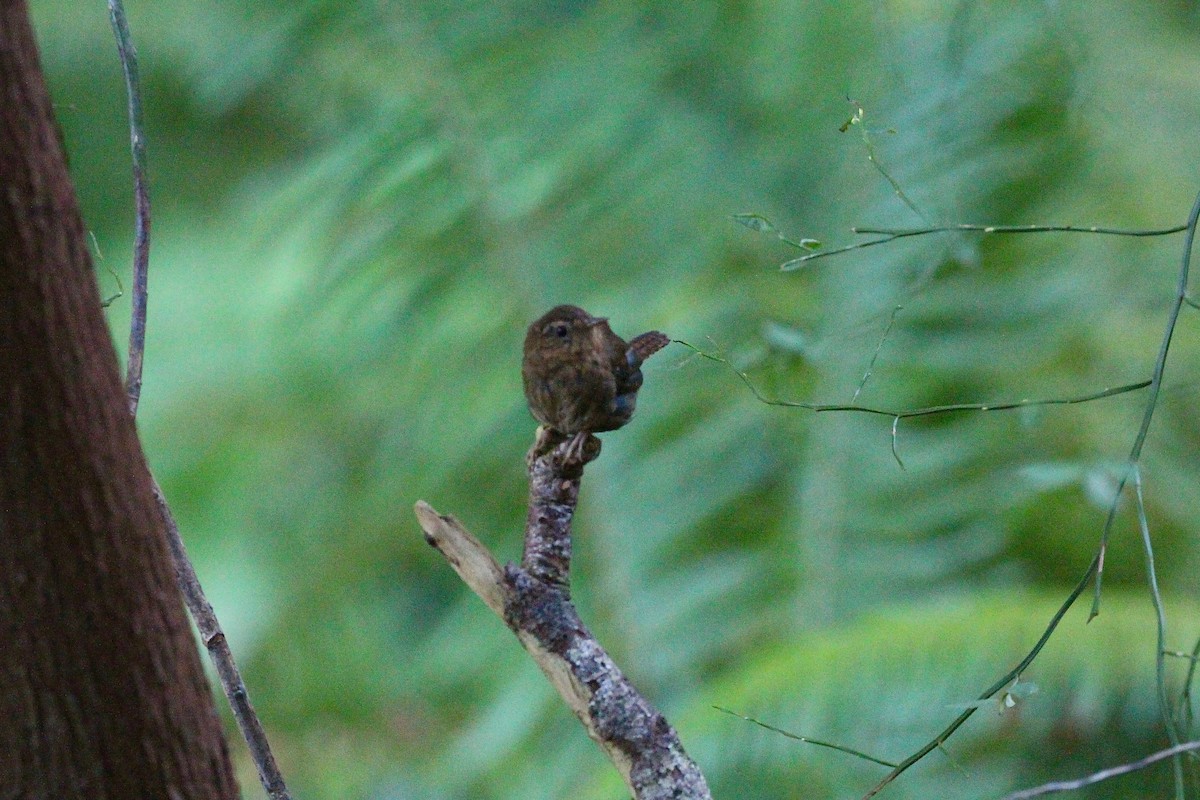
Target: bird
<point>581,378</point>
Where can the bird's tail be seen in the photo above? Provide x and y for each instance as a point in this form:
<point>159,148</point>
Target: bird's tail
<point>645,345</point>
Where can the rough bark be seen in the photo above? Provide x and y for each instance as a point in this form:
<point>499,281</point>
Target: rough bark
<point>534,601</point>
<point>101,690</point>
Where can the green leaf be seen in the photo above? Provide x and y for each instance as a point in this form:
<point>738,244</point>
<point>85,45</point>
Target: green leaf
<point>755,222</point>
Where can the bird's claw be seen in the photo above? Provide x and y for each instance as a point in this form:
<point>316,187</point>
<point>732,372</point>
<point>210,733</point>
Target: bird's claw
<point>577,450</point>
<point>583,448</point>
<point>546,440</point>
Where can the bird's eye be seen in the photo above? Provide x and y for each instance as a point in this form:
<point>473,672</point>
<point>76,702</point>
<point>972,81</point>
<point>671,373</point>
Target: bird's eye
<point>559,330</point>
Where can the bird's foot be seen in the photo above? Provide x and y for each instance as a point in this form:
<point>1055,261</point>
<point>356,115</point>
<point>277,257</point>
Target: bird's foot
<point>546,440</point>
<point>583,448</point>
<point>573,451</point>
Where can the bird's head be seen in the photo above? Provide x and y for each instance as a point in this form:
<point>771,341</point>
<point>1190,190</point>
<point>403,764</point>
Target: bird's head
<point>564,328</point>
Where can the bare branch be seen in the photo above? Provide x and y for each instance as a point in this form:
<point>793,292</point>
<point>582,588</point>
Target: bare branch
<point>534,602</point>
<point>892,234</point>
<point>949,408</point>
<point>1186,712</point>
<point>809,739</point>
<point>1160,613</point>
<point>141,194</point>
<point>189,584</point>
<point>222,657</point>
<point>967,228</point>
<point>875,356</point>
<point>1160,367</point>
<point>1104,774</point>
<point>472,561</point>
<point>1095,569</point>
<point>1015,673</point>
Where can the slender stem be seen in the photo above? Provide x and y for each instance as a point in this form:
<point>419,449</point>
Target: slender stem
<point>808,739</point>
<point>1185,697</point>
<point>1096,567</point>
<point>892,234</point>
<point>902,232</point>
<point>859,119</point>
<point>950,408</point>
<point>1160,660</point>
<point>1104,774</point>
<point>222,657</point>
<point>141,193</point>
<point>875,356</point>
<point>896,443</point>
<point>189,584</point>
<point>937,741</point>
<point>1156,380</point>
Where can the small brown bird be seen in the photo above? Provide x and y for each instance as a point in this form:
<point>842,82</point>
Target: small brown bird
<point>580,377</point>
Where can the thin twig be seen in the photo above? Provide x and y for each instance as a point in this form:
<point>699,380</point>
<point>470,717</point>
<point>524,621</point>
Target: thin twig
<point>189,584</point>
<point>1160,367</point>
<point>901,232</point>
<point>1185,697</point>
<point>926,411</point>
<point>1160,660</point>
<point>1106,531</point>
<point>875,356</point>
<point>141,193</point>
<point>899,414</point>
<point>1104,774</point>
<point>108,301</point>
<point>859,119</point>
<point>896,443</point>
<point>222,657</point>
<point>1096,567</point>
<point>808,739</point>
<point>892,234</point>
<point>1013,674</point>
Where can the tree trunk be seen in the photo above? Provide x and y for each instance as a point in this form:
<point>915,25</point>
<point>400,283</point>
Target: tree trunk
<point>101,690</point>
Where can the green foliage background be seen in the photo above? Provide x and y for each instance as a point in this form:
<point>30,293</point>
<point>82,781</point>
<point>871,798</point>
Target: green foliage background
<point>359,207</point>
